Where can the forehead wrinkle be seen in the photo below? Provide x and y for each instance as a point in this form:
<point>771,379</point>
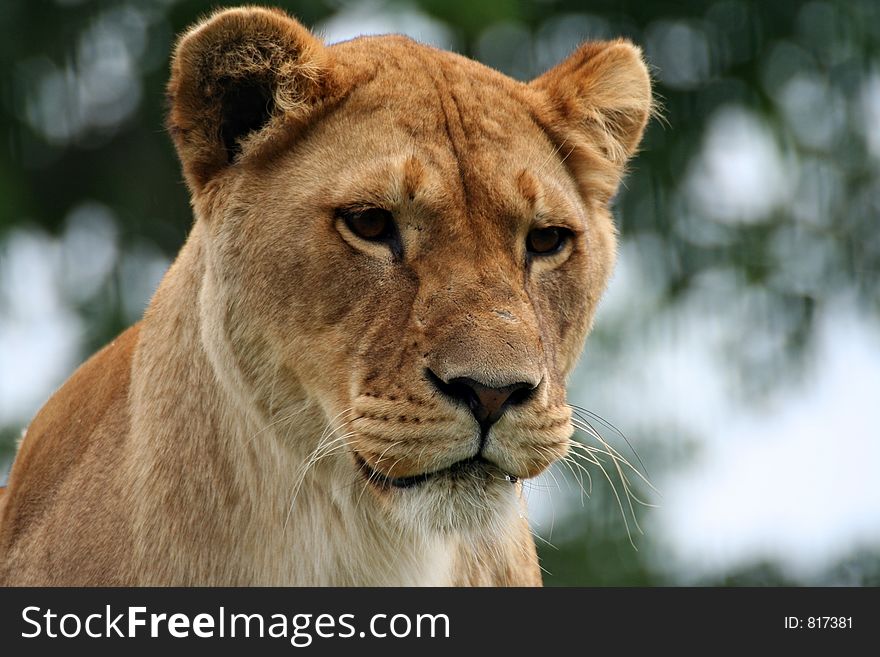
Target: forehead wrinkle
<point>413,176</point>
<point>452,121</point>
<point>555,201</point>
<point>396,181</point>
<point>529,188</point>
<point>548,160</point>
<point>458,132</point>
<point>556,187</point>
<point>423,132</point>
<point>379,183</point>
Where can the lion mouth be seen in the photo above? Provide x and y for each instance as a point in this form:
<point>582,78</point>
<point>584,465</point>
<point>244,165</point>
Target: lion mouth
<point>470,466</point>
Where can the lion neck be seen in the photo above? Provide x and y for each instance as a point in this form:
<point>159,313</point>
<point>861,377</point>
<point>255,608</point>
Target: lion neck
<point>203,455</point>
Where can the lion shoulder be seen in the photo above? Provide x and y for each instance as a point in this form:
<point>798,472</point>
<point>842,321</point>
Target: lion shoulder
<point>66,452</point>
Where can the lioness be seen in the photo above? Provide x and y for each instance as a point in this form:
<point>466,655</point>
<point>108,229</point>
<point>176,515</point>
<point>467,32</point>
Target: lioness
<point>362,348</point>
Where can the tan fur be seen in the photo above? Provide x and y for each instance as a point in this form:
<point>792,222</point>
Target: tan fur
<point>217,441</point>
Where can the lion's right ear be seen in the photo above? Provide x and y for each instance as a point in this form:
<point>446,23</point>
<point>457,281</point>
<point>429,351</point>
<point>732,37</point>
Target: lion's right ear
<point>242,82</point>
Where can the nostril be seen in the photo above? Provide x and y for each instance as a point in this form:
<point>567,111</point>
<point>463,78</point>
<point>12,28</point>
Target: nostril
<point>522,394</point>
<point>487,403</point>
<point>447,389</point>
<point>464,393</point>
<point>455,390</point>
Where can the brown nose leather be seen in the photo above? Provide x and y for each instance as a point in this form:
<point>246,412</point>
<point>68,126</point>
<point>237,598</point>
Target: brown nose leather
<point>486,403</point>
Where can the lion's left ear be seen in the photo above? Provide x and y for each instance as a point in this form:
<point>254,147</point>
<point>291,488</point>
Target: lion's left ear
<point>601,93</point>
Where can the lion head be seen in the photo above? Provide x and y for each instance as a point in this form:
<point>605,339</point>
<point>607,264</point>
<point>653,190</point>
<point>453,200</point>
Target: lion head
<point>406,240</point>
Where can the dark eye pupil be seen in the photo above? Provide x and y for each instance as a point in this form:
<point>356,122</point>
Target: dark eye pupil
<point>370,224</point>
<point>544,240</point>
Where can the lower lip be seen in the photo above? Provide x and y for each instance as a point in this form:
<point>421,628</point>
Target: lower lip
<point>381,481</point>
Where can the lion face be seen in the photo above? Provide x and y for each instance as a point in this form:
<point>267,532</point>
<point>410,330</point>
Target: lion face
<point>397,234</point>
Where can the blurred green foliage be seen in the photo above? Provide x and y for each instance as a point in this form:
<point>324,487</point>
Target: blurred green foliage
<point>81,121</point>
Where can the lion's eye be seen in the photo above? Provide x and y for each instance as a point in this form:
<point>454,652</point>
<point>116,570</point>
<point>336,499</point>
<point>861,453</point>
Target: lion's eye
<point>546,241</point>
<point>372,224</point>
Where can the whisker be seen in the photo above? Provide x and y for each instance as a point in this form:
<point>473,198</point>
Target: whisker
<point>590,453</point>
<point>610,451</point>
<point>578,476</point>
<point>599,418</point>
<point>327,445</point>
<point>619,504</point>
<point>543,540</point>
<point>332,420</point>
<point>295,412</point>
<point>373,473</point>
<point>594,455</point>
<point>584,471</point>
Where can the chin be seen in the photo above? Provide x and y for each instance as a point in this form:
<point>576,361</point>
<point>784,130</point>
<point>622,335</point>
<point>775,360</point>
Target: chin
<point>471,498</point>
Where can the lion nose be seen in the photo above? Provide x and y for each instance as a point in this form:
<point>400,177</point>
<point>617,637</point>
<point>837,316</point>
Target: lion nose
<point>487,403</point>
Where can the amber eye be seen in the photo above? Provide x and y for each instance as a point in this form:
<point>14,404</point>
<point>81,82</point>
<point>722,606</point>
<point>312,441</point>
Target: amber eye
<point>373,224</point>
<point>546,241</point>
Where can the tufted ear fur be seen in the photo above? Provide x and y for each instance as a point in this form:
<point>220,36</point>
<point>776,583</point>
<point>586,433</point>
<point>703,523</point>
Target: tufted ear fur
<point>599,101</point>
<point>242,82</point>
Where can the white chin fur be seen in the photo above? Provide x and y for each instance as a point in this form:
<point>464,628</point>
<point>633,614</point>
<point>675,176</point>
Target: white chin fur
<point>469,505</point>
